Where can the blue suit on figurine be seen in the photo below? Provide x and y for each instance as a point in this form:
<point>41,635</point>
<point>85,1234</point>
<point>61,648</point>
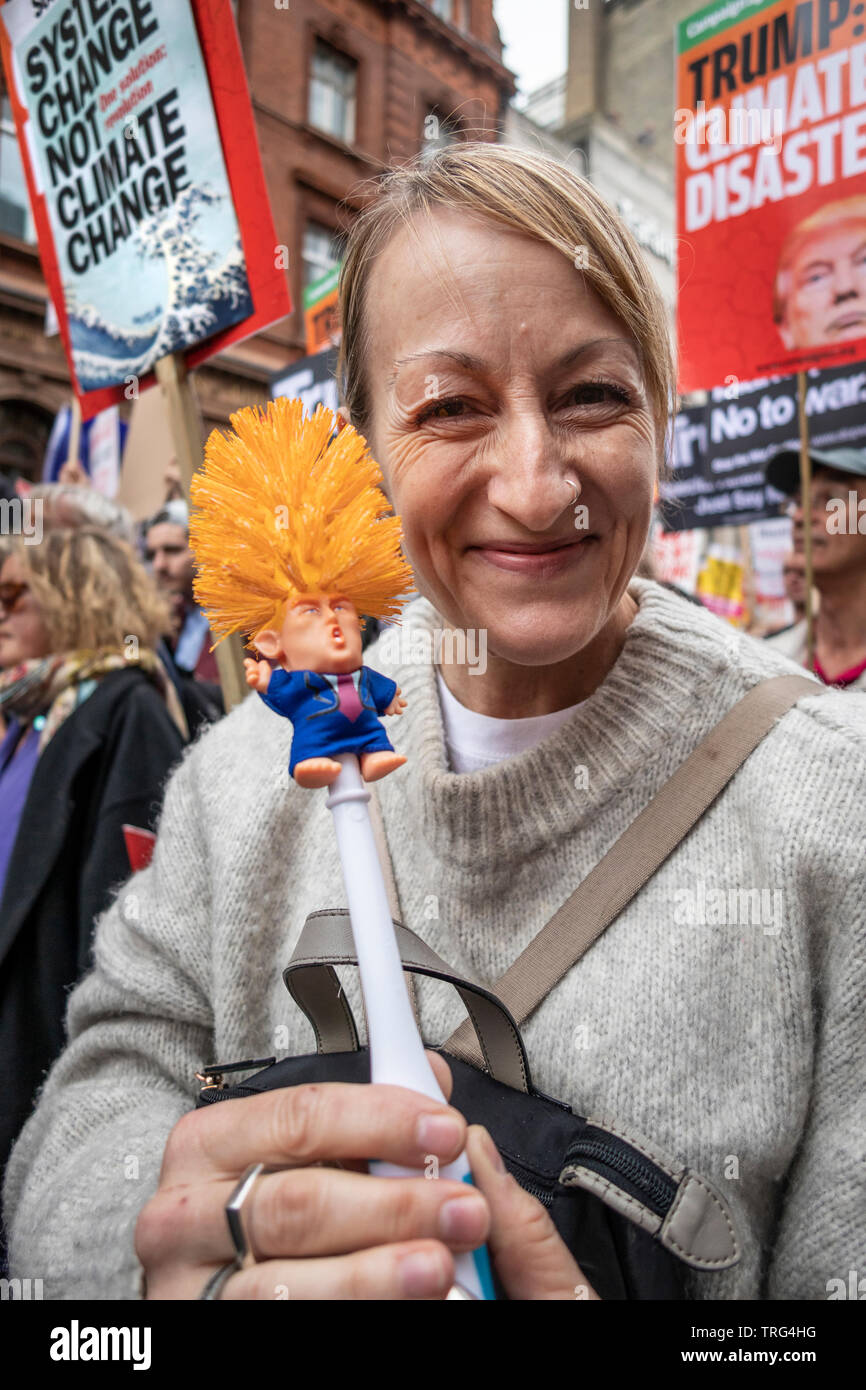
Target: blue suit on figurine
<point>331,698</point>
<point>332,714</point>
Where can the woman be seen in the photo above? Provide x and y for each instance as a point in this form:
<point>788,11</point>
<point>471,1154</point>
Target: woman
<point>89,744</point>
<point>502,391</point>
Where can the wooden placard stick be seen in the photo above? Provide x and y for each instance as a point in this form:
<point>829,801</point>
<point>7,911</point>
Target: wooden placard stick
<point>185,424</point>
<point>74,433</point>
<point>806,507</point>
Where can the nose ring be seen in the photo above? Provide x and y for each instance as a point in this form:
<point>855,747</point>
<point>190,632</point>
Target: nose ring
<point>572,483</point>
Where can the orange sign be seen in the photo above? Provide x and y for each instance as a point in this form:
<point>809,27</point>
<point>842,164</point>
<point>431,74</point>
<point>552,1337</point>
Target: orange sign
<point>320,311</point>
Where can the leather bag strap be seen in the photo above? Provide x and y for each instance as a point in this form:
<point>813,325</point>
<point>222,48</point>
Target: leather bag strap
<point>638,852</point>
<point>326,940</point>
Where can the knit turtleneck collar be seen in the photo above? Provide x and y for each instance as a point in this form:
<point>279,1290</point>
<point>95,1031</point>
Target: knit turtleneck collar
<point>679,669</point>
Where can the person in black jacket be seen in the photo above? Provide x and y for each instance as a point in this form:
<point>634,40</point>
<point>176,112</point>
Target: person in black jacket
<point>93,730</point>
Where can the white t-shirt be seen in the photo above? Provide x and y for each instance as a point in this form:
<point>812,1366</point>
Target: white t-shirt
<point>474,741</point>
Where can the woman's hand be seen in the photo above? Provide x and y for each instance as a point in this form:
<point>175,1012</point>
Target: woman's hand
<point>529,1255</point>
<point>325,1234</point>
<point>317,1232</point>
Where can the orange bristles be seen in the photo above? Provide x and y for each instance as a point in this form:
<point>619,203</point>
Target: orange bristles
<point>280,512</point>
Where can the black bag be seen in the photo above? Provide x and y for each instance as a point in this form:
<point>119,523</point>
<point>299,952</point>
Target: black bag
<point>634,1223</point>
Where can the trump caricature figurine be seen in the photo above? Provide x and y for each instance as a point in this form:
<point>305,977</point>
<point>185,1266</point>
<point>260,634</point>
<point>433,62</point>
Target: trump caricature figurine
<point>294,540</point>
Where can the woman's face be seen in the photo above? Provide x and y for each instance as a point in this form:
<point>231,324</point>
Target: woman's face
<point>495,373</point>
<point>22,632</point>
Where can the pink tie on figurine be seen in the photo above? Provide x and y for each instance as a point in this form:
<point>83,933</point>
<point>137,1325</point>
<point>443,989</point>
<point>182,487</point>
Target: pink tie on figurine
<point>294,540</point>
<point>349,700</point>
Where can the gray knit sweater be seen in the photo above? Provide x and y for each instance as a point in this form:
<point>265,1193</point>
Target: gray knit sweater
<point>736,1046</point>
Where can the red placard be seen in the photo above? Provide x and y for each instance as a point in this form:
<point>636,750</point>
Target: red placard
<point>771,189</point>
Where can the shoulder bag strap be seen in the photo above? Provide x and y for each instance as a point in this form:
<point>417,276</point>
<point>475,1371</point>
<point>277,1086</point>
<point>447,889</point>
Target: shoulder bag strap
<point>638,852</point>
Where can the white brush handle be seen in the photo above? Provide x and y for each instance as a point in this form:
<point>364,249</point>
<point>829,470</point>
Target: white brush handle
<point>397,1055</point>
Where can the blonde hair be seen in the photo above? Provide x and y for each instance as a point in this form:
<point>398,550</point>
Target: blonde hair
<point>842,210</point>
<point>92,590</point>
<point>530,193</point>
<point>283,510</point>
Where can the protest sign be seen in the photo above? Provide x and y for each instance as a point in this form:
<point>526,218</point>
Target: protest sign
<point>677,556</point>
<point>770,135</point>
<point>770,543</point>
<point>683,496</point>
<point>139,146</point>
<point>105,451</point>
<point>721,450</point>
<point>100,440</point>
<point>720,584</point>
<point>320,311</point>
<point>743,435</point>
<point>311,380</point>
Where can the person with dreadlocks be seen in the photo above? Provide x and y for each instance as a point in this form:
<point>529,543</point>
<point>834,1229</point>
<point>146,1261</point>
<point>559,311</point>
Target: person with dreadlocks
<point>320,552</point>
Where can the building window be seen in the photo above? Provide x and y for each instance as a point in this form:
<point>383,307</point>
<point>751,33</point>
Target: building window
<point>444,8</point>
<point>15,218</point>
<point>333,82</point>
<point>323,249</point>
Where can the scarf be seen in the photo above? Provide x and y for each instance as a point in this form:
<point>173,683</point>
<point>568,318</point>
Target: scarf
<point>44,691</point>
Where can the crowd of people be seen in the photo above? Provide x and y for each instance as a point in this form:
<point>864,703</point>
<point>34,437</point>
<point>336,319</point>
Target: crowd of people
<point>105,675</point>
<point>107,672</point>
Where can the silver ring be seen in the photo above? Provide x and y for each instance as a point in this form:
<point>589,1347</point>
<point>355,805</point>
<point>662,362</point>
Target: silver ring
<point>572,483</point>
<point>243,1252</point>
<point>213,1287</point>
<point>243,1256</point>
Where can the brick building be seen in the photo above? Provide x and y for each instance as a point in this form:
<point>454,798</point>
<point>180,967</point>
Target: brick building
<point>341,89</point>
